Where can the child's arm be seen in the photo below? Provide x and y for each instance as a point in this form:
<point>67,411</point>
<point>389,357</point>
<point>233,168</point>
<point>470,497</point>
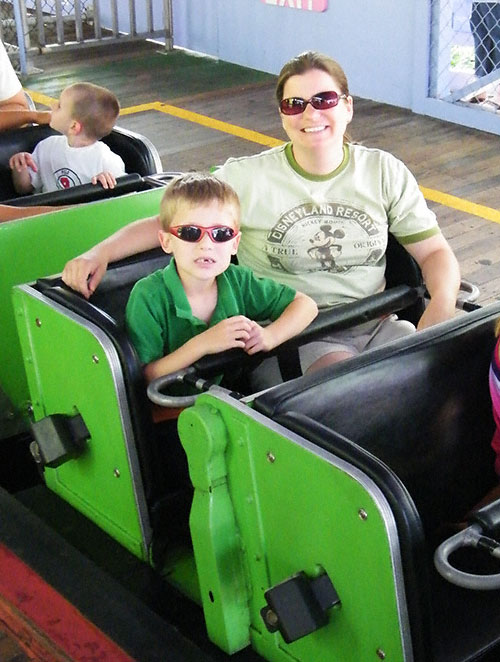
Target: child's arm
<point>231,332</point>
<point>20,164</point>
<point>294,319</point>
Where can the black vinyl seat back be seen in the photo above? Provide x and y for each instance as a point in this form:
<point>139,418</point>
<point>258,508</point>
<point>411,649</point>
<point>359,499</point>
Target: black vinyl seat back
<point>138,153</point>
<point>12,141</point>
<point>421,405</point>
<point>402,269</point>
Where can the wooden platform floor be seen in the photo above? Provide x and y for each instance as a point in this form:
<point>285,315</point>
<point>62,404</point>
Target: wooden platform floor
<point>460,166</point>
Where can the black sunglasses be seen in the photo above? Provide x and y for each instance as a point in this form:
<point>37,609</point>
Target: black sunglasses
<point>320,101</point>
<point>194,233</point>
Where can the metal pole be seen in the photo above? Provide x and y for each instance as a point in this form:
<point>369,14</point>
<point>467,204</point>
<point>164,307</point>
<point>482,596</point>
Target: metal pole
<point>114,18</point>
<point>168,22</point>
<point>23,65</point>
<point>132,17</point>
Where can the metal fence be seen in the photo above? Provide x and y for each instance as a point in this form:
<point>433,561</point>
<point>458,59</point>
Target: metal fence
<point>39,25</point>
<point>465,52</point>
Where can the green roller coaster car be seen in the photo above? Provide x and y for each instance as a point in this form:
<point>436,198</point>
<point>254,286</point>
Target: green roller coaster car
<point>305,518</point>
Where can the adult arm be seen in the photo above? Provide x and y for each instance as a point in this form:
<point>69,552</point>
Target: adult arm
<point>8,213</point>
<point>14,112</point>
<point>84,273</point>
<point>441,274</point>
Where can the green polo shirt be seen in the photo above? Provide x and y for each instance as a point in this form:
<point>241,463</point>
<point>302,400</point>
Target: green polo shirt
<point>159,318</point>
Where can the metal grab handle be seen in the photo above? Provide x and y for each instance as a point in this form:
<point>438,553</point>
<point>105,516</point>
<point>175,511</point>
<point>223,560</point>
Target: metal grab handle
<point>468,293</point>
<point>175,401</point>
<point>470,537</point>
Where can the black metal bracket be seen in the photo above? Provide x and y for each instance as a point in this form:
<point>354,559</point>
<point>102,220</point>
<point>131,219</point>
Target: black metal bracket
<point>299,605</point>
<point>58,438</point>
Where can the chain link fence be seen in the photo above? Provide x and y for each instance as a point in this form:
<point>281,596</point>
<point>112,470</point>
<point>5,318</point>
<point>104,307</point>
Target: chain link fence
<point>37,25</point>
<point>465,52</point>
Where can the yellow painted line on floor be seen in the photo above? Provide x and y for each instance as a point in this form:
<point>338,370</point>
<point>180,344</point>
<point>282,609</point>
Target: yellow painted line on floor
<point>140,108</point>
<point>461,205</point>
<point>38,97</point>
<point>246,134</point>
<point>254,136</point>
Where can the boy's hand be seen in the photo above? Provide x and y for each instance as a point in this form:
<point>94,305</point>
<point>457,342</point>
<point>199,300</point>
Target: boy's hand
<point>21,161</point>
<point>106,179</point>
<point>260,339</point>
<point>232,332</point>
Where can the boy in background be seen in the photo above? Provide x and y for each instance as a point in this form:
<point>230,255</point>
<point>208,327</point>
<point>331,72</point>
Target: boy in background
<point>84,114</point>
<point>201,303</point>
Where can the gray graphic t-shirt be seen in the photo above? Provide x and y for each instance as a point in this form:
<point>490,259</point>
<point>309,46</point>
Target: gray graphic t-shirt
<point>326,236</point>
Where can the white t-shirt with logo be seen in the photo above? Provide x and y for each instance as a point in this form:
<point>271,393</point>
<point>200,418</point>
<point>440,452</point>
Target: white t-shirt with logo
<point>61,166</point>
<point>326,235</point>
<point>9,82</point>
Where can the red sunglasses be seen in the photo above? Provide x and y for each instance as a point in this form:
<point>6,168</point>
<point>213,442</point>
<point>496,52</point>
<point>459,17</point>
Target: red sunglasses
<point>320,101</point>
<point>194,233</point>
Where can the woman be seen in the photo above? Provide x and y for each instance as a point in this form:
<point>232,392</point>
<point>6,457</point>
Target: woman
<point>318,191</point>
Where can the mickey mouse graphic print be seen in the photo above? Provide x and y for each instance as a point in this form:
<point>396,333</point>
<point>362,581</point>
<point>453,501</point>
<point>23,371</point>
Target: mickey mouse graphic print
<point>326,235</point>
<point>61,166</point>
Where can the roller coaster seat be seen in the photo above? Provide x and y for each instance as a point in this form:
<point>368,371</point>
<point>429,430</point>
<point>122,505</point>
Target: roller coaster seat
<point>138,153</point>
<point>416,417</point>
<point>106,309</point>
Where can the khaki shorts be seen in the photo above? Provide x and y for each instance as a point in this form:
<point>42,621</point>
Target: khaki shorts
<point>357,339</point>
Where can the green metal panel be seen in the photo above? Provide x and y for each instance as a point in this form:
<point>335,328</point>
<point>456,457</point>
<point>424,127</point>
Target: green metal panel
<point>40,246</point>
<point>293,509</point>
<point>215,536</point>
<point>69,372</point>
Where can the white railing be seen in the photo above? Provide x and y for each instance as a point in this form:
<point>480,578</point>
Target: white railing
<point>40,25</point>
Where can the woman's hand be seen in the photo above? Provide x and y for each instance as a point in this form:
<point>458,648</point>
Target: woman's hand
<point>84,273</point>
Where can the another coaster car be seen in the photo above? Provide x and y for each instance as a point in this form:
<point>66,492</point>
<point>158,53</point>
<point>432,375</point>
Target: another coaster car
<point>140,156</point>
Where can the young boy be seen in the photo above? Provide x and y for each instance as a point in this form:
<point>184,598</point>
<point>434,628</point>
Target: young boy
<point>84,114</point>
<point>200,303</point>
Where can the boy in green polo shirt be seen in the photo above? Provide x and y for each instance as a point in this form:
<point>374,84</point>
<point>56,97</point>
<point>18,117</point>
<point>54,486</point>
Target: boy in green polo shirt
<point>201,303</point>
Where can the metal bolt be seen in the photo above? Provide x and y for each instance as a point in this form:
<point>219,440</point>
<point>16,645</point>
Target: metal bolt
<point>38,322</point>
<point>271,457</point>
<point>116,473</point>
<point>362,514</point>
<point>271,618</point>
<point>95,358</point>
<point>380,654</point>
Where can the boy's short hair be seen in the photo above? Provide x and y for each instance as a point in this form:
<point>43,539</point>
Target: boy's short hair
<point>195,189</point>
<point>95,107</point>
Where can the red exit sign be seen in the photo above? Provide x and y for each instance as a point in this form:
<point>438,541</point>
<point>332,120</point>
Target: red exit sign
<point>308,5</point>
